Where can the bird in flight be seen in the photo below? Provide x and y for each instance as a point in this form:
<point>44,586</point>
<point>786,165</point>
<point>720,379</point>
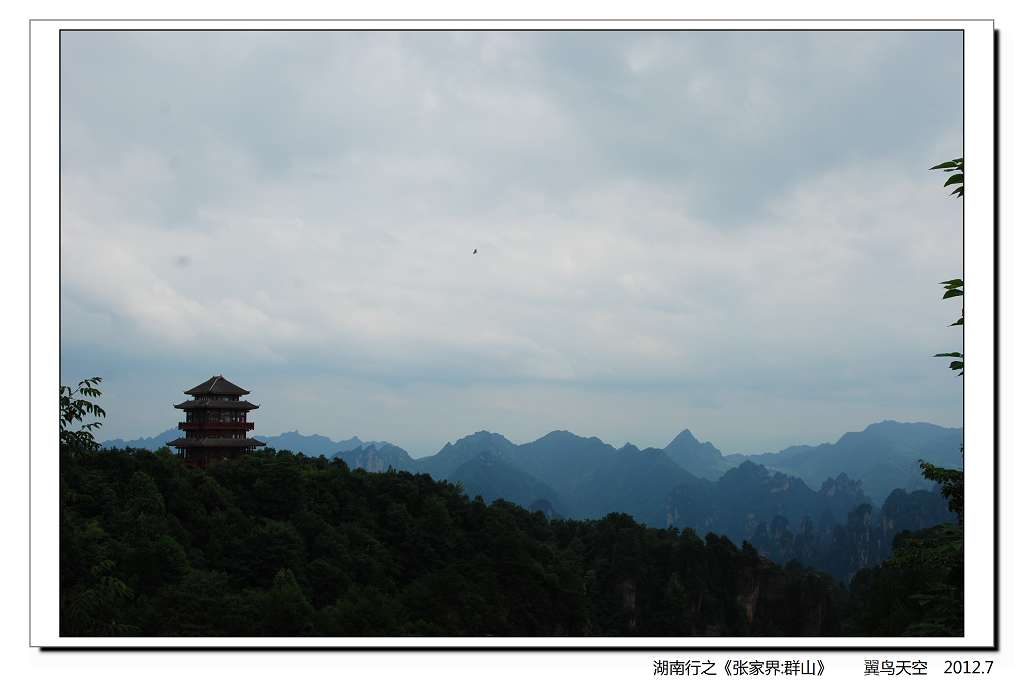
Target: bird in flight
<point>474,251</point>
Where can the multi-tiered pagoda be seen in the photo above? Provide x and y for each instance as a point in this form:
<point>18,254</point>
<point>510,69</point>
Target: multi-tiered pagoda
<point>215,423</point>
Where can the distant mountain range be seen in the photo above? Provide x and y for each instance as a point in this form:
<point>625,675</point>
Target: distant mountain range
<point>883,456</point>
<point>580,470</point>
<point>814,503</point>
<point>750,494</point>
<point>148,443</point>
<point>377,457</point>
<point>310,445</point>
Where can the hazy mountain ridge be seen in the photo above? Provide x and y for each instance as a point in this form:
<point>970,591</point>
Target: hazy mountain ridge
<point>560,457</point>
<point>864,538</point>
<point>446,461</point>
<point>583,477</point>
<point>640,482</point>
<point>883,456</point>
<point>832,523</point>
<point>565,461</point>
<point>703,459</point>
<point>752,494</point>
<point>492,478</point>
<point>836,528</point>
<point>809,503</point>
<point>149,443</point>
<point>310,445</point>
<point>377,457</point>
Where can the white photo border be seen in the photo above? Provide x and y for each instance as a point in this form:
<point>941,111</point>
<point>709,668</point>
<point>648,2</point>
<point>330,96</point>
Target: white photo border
<point>981,595</point>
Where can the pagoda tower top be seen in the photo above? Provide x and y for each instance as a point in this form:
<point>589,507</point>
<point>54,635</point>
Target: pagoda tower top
<point>218,386</point>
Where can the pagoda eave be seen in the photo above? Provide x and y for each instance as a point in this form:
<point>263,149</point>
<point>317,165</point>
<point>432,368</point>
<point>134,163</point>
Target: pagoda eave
<point>198,403</point>
<point>215,442</point>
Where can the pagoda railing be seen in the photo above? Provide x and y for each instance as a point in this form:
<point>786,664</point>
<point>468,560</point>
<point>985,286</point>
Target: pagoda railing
<point>200,426</point>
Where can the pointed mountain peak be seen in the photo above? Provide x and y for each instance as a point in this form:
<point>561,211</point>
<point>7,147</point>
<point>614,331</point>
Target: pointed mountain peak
<point>684,438</point>
<point>686,442</point>
<point>749,466</point>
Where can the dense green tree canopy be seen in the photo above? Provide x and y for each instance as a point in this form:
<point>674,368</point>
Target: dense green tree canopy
<point>278,544</point>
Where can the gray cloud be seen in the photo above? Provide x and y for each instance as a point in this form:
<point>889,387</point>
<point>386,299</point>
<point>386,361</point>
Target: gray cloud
<point>734,232</point>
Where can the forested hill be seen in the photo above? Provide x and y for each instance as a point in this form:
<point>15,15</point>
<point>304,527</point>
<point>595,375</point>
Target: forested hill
<point>275,544</point>
<point>588,478</point>
<point>830,528</point>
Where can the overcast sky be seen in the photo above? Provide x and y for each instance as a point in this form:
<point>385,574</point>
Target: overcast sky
<point>732,232</point>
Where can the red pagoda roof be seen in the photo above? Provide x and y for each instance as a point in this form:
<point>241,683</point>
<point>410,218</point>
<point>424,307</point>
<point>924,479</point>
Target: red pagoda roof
<point>217,385</point>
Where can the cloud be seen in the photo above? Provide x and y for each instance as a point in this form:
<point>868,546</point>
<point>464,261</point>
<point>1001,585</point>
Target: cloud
<point>683,219</point>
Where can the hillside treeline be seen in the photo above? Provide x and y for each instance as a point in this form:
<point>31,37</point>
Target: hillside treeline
<point>275,544</point>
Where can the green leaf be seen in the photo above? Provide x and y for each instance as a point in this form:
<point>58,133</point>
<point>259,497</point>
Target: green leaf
<point>956,365</point>
<point>953,283</point>
<point>945,165</point>
<point>955,354</point>
<point>955,179</point>
<point>959,323</point>
<point>952,293</point>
